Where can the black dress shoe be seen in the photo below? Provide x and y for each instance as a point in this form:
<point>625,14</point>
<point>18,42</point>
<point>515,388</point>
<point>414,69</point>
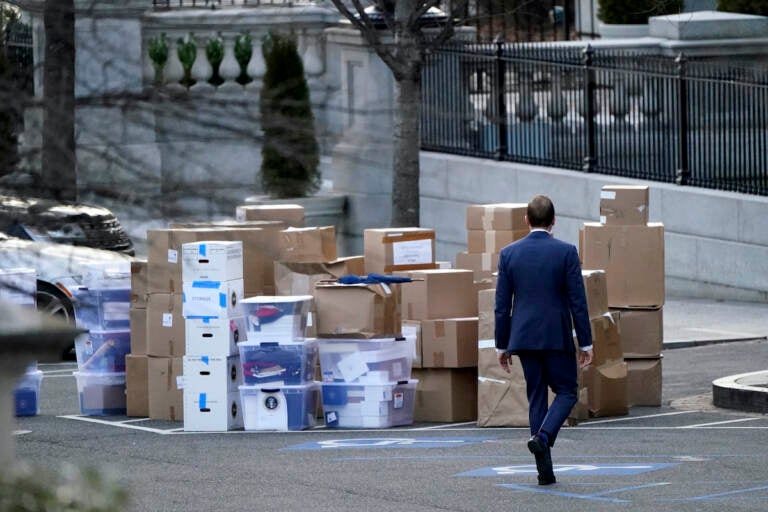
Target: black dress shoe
<point>540,450</point>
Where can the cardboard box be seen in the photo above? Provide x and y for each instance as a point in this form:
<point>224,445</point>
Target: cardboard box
<point>412,328</point>
<point>642,332</point>
<point>216,376</point>
<point>139,282</point>
<point>449,342</point>
<point>137,386</point>
<point>506,216</point>
<point>388,250</point>
<point>644,382</point>
<point>259,252</point>
<point>606,339</point>
<point>486,325</point>
<point>493,241</point>
<point>502,402</point>
<point>607,389</point>
<point>482,264</point>
<point>212,261</point>
<point>165,325</point>
<point>300,278</point>
<point>596,288</point>
<point>633,259</point>
<point>357,311</point>
<point>623,205</point>
<point>204,413</point>
<point>213,336</point>
<point>213,299</point>
<point>446,394</point>
<point>436,294</point>
<point>292,214</point>
<point>308,244</point>
<point>166,401</point>
<point>138,327</point>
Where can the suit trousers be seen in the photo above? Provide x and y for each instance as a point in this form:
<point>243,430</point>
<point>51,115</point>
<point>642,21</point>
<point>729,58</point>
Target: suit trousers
<point>556,370</point>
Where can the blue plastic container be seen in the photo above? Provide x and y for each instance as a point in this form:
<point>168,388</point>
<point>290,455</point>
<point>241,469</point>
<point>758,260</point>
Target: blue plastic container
<point>102,351</point>
<point>27,394</point>
<point>102,309</point>
<point>278,363</point>
<point>279,408</point>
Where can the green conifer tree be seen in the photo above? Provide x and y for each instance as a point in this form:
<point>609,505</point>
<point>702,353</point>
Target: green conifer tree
<point>290,152</point>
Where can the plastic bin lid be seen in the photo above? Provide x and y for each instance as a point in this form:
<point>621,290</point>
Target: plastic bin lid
<point>269,299</point>
<point>276,386</point>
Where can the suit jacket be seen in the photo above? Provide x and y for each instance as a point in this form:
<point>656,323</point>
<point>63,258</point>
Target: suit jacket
<point>543,275</point>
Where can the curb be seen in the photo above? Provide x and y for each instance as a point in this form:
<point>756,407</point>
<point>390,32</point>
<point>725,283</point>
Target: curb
<point>670,345</point>
<point>742,392</point>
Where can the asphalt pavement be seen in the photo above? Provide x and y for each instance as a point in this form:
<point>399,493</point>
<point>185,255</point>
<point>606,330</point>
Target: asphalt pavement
<point>686,455</point>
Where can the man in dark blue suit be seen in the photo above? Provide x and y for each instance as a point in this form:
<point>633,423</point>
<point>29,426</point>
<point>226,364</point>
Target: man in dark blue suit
<point>540,283</point>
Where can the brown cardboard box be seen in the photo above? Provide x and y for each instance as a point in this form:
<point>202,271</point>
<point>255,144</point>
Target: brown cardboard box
<point>308,244</point>
<point>449,343</point>
<point>622,205</point>
<point>482,264</point>
<point>507,216</point>
<point>357,311</point>
<point>138,326</point>
<point>165,325</point>
<point>139,284</point>
<point>166,401</point>
<point>137,386</point>
<point>300,278</point>
<point>446,394</point>
<point>436,294</point>
<point>606,339</point>
<point>291,214</point>
<point>607,389</point>
<point>642,332</point>
<point>164,271</point>
<point>502,402</point>
<point>260,250</point>
<point>596,288</point>
<point>486,302</point>
<point>388,250</point>
<point>413,328</point>
<point>633,259</point>
<point>644,382</point>
<point>479,241</point>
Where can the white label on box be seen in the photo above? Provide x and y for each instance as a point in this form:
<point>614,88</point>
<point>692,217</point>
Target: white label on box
<point>412,252</point>
<point>179,382</point>
<point>173,256</point>
<point>352,366</point>
<point>603,219</point>
<point>167,319</point>
<point>486,264</point>
<point>607,194</point>
<point>399,399</point>
<point>490,343</point>
<point>309,319</point>
<point>397,369</point>
<point>116,311</point>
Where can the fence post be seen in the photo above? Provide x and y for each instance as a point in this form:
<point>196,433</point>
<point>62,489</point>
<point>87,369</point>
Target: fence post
<point>501,102</point>
<point>683,172</point>
<point>589,109</point>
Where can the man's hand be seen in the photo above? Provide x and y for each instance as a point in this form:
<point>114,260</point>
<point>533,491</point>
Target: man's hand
<point>585,358</point>
<point>504,361</point>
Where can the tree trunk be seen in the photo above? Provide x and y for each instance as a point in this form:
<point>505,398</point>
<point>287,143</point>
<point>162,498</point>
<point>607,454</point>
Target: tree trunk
<point>59,175</point>
<point>407,144</point>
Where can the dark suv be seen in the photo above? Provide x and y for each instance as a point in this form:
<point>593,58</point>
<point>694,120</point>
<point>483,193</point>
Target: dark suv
<point>63,222</point>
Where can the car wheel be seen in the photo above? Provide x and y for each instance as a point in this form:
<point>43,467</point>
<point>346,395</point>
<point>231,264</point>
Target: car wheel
<point>52,301</point>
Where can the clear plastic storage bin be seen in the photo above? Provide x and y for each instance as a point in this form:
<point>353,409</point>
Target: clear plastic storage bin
<point>279,408</point>
<point>101,394</point>
<point>278,317</point>
<point>27,393</point>
<point>102,309</point>
<point>278,363</point>
<point>102,351</point>
<point>369,361</point>
<point>369,405</point>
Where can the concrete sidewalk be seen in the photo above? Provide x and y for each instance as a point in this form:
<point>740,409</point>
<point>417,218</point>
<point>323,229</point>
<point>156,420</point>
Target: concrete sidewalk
<point>692,322</point>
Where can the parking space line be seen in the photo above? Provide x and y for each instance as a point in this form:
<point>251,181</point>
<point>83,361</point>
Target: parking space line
<point>631,488</point>
<point>448,425</point>
<point>563,494</point>
<point>721,494</point>
<point>720,423</point>
<point>113,423</point>
<point>630,418</point>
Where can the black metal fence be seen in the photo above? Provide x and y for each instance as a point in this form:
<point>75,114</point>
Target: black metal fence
<point>218,4</point>
<point>639,116</point>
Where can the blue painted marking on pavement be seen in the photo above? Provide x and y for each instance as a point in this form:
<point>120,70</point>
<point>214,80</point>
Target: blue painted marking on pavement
<point>390,442</point>
<point>571,469</point>
<point>719,494</point>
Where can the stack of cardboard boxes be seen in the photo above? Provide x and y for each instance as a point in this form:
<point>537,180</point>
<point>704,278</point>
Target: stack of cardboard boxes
<point>490,228</point>
<point>212,283</point>
<point>631,251</point>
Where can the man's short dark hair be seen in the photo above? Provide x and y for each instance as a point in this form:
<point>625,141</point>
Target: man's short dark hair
<point>541,212</point>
